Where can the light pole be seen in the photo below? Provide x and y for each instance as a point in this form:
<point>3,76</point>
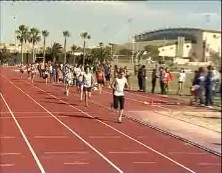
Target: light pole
<point>129,33</point>
<point>14,18</point>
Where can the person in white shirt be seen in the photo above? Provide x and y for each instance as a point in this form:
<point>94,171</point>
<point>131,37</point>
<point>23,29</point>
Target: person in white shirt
<point>118,85</point>
<point>67,78</point>
<point>181,81</point>
<point>88,81</point>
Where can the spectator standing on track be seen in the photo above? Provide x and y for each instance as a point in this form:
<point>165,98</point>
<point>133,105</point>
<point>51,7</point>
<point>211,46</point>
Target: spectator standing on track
<point>181,81</point>
<point>201,82</point>
<point>118,86</point>
<point>153,81</point>
<point>127,73</point>
<point>142,78</point>
<point>162,77</point>
<point>100,76</point>
<point>209,87</point>
<point>87,84</point>
<point>167,79</point>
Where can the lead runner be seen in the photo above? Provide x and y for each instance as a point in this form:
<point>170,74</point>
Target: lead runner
<point>118,85</point>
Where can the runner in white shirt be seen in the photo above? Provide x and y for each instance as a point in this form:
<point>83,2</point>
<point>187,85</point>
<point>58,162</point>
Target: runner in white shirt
<point>118,84</point>
<point>67,79</point>
<point>181,81</point>
<point>88,81</point>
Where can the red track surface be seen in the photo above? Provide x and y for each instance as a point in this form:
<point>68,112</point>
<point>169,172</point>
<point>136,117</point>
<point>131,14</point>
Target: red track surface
<point>70,138</point>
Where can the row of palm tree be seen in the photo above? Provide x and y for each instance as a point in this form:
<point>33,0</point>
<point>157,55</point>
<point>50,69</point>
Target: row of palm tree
<point>33,36</point>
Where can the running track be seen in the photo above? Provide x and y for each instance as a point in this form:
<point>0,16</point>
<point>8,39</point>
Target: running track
<point>42,130</point>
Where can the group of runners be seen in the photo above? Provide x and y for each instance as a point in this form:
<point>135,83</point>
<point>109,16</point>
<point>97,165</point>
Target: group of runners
<point>85,79</point>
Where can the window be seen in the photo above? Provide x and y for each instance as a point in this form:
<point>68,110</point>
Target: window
<point>162,50</point>
<point>214,36</point>
<point>171,48</point>
<point>188,46</point>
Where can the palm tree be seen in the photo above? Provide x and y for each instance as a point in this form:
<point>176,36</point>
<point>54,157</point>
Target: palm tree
<point>84,36</point>
<point>55,50</point>
<point>73,49</point>
<point>101,44</point>
<point>22,36</point>
<point>45,34</point>
<point>66,34</point>
<point>34,39</point>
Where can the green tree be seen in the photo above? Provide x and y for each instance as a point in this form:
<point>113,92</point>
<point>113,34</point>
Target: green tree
<point>152,51</point>
<point>66,34</point>
<point>22,36</point>
<point>34,38</point>
<point>45,34</point>
<point>84,36</point>
<point>74,48</point>
<point>124,51</point>
<point>55,51</point>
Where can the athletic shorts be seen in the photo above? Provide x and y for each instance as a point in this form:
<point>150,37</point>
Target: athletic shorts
<point>118,100</point>
<point>107,78</point>
<point>45,76</point>
<point>100,81</point>
<point>22,71</point>
<point>88,89</point>
<point>180,82</point>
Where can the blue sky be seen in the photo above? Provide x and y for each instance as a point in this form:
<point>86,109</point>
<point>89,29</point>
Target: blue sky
<point>106,21</point>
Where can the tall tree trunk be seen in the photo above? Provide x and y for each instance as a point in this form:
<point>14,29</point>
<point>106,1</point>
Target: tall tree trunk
<point>44,50</point>
<point>65,51</point>
<point>84,47</point>
<point>33,52</point>
<point>22,52</point>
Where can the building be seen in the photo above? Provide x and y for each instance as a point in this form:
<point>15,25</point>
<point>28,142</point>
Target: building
<point>194,43</point>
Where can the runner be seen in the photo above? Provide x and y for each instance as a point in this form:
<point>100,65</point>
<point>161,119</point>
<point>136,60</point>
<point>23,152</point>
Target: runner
<point>21,70</point>
<point>87,84</point>
<point>118,86</point>
<point>67,78</point>
<point>32,73</point>
<point>100,76</point>
<point>46,74</point>
<point>108,72</point>
<point>29,71</point>
<point>80,83</point>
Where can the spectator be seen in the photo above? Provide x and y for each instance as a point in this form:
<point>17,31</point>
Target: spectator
<point>181,81</point>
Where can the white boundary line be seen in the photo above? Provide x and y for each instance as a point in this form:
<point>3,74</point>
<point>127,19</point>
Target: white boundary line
<point>67,127</point>
<point>25,138</point>
<point>155,151</point>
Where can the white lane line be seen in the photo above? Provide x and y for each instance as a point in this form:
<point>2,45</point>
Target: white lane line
<point>51,137</point>
<point>104,137</point>
<point>38,112</point>
<point>144,162</point>
<point>6,165</point>
<point>25,138</point>
<point>66,152</point>
<point>187,153</point>
<point>7,154</point>
<point>128,152</point>
<point>133,139</point>
<point>32,117</point>
<point>67,127</point>
<point>210,164</point>
<point>77,163</point>
<point>7,137</point>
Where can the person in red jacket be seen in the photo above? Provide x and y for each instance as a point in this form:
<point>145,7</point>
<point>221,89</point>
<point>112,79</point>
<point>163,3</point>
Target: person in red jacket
<point>167,79</point>
<point>100,76</point>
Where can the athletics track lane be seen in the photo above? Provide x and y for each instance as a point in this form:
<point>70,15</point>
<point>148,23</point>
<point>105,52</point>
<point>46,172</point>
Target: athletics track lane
<point>195,154</point>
